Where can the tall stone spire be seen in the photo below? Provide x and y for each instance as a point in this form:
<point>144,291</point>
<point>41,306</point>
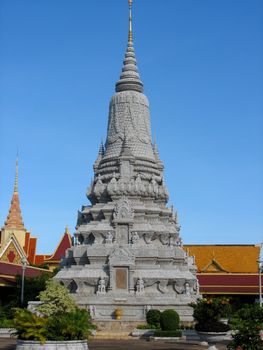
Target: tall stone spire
<point>127,241</point>
<point>14,218</point>
<point>130,78</point>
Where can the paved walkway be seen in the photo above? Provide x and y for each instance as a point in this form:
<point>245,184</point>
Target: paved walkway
<point>10,344</point>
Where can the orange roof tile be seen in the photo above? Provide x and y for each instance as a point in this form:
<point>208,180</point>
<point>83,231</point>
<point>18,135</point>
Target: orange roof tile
<point>225,258</point>
<point>32,249</point>
<point>39,259</point>
<point>27,239</point>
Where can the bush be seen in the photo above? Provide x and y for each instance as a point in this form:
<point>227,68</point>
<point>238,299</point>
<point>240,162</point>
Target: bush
<point>6,316</point>
<point>214,326</point>
<point>29,326</point>
<point>247,322</point>
<point>175,333</point>
<point>6,323</point>
<point>207,313</point>
<point>147,326</point>
<point>169,320</point>
<point>153,317</point>
<point>70,326</point>
<point>55,300</point>
<point>74,325</point>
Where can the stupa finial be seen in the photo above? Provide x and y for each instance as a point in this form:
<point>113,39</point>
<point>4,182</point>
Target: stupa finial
<point>130,22</point>
<point>129,78</point>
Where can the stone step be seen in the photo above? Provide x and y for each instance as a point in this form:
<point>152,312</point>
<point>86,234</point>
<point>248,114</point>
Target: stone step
<point>112,335</point>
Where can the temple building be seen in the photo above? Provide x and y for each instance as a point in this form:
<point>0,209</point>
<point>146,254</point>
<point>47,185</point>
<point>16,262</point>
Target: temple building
<point>128,253</point>
<point>231,270</point>
<point>18,247</point>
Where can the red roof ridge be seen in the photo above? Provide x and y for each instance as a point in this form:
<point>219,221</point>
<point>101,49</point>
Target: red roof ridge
<point>61,248</point>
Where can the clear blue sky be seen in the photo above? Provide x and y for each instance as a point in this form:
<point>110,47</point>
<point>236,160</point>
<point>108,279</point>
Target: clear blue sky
<point>201,64</point>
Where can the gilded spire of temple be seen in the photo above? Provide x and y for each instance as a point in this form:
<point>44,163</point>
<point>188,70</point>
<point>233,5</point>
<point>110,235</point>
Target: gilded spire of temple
<point>16,176</point>
<point>130,78</point>
<point>14,218</point>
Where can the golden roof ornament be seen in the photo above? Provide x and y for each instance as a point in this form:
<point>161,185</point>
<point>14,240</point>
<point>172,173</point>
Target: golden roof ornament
<point>16,176</point>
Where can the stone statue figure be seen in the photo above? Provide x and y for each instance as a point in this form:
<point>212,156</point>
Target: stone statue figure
<point>197,287</point>
<point>101,286</point>
<point>187,289</point>
<point>179,242</point>
<point>92,311</point>
<point>109,238</point>
<point>135,237</point>
<point>140,287</point>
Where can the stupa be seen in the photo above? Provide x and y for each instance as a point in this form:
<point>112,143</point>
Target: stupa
<point>128,253</point>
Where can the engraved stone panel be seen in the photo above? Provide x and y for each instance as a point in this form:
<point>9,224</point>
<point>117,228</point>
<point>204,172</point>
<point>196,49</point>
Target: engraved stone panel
<point>121,278</point>
<point>122,234</point>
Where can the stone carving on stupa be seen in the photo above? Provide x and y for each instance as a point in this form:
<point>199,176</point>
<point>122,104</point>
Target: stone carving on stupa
<point>129,253</point>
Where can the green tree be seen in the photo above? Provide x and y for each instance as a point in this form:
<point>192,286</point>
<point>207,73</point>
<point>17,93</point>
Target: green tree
<point>11,297</point>
<point>55,300</point>
<point>32,287</point>
<point>247,323</point>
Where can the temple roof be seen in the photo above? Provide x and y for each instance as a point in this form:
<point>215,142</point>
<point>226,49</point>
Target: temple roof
<point>64,244</point>
<point>225,258</point>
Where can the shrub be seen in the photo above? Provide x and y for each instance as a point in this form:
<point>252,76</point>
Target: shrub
<point>29,326</point>
<point>207,313</point>
<point>6,316</point>
<point>75,325</point>
<point>55,299</point>
<point>248,322</point>
<point>153,317</point>
<point>70,326</point>
<point>169,320</point>
<point>175,333</point>
<point>6,323</point>
<point>142,326</point>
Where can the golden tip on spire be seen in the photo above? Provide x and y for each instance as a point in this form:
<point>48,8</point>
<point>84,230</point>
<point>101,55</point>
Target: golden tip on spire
<point>16,176</point>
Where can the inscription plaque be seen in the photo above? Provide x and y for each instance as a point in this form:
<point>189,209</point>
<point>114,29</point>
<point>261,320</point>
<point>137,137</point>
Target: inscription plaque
<point>121,278</point>
<point>122,233</point>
